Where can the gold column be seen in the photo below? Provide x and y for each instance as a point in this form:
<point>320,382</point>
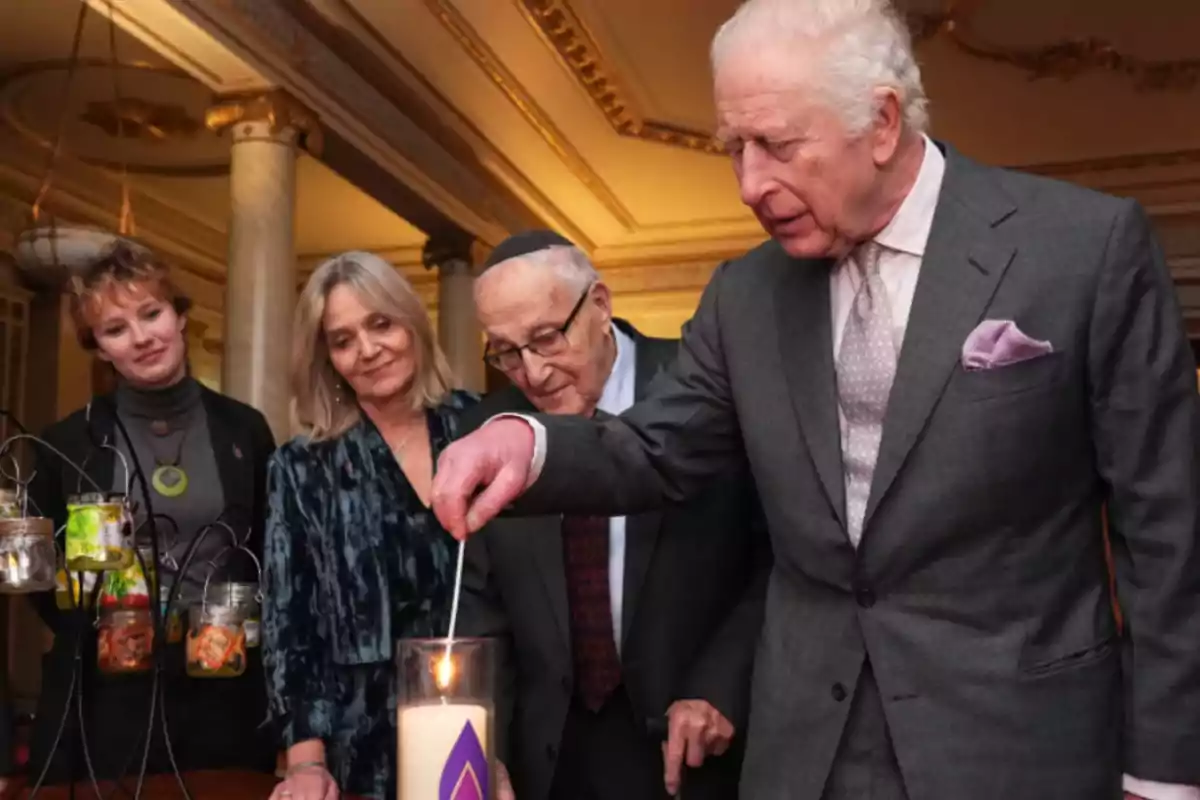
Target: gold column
<point>458,330</point>
<point>260,288</point>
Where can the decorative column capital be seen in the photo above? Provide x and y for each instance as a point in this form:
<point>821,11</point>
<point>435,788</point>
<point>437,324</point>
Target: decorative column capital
<point>450,251</point>
<point>276,111</point>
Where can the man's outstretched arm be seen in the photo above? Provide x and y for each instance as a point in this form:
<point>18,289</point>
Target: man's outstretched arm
<point>663,449</point>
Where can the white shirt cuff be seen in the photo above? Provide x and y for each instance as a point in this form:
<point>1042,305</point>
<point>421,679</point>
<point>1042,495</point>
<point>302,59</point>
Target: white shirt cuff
<point>539,449</point>
<point>1152,790</point>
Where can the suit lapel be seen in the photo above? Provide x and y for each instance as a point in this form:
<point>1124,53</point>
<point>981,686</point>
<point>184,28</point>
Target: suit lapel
<point>964,261</point>
<point>805,326</point>
<point>641,530</point>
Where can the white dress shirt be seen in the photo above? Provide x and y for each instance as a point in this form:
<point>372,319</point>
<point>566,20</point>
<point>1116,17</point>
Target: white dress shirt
<point>903,247</point>
<point>903,242</point>
<point>617,396</point>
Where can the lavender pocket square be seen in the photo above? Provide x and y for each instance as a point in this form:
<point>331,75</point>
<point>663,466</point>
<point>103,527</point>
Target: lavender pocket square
<point>998,343</point>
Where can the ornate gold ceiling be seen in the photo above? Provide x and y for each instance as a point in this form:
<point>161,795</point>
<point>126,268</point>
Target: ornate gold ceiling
<point>1064,59</point>
<point>161,125</point>
<point>570,38</point>
<point>595,85</point>
<point>503,79</point>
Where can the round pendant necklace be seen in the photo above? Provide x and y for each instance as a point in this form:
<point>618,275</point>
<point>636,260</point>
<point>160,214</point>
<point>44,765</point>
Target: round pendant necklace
<point>168,478</point>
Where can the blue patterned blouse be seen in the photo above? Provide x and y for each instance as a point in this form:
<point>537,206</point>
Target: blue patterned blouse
<point>354,561</point>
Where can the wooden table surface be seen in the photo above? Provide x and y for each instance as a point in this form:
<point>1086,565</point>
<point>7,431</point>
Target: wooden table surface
<point>201,786</point>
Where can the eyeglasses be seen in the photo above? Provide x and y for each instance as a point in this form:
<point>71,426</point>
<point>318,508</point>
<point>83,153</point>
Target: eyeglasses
<point>545,344</point>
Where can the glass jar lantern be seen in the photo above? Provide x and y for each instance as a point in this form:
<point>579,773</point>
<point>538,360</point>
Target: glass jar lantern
<point>216,641</point>
<point>125,641</point>
<point>27,557</point>
<point>445,715</point>
<point>98,533</point>
<point>245,597</point>
<point>129,588</point>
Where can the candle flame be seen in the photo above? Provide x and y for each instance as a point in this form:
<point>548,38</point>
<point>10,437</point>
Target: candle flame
<point>444,671</point>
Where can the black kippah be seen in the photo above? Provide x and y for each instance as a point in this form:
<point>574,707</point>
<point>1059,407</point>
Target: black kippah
<point>522,244</point>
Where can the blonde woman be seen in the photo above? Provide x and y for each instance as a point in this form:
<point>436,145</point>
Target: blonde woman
<point>354,557</point>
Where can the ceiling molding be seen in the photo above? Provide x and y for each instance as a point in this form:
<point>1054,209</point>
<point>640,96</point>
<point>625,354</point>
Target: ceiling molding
<point>689,250</point>
<point>183,43</point>
<point>1064,60</point>
<point>576,47</point>
<point>1167,183</point>
<point>1185,269</point>
<point>571,40</point>
<point>502,78</point>
<point>135,114</point>
<point>649,277</point>
<point>569,37</point>
<point>401,258</point>
<point>433,111</point>
<point>1121,163</point>
<point>701,227</point>
<point>1181,209</point>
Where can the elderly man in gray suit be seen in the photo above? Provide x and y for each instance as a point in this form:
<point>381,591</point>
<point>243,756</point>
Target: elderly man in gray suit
<point>942,373</point>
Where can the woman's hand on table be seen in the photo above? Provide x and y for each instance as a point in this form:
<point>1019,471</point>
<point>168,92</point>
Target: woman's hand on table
<point>307,783</point>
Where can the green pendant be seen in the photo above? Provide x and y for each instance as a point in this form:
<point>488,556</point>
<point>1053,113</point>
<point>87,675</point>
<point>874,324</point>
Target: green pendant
<point>169,480</point>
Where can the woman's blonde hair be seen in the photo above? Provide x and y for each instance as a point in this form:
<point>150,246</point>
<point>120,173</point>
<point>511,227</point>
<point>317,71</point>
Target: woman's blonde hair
<point>321,405</point>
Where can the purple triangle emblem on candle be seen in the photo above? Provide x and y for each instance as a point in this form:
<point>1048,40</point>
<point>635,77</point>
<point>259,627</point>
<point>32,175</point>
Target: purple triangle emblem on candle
<point>465,776</point>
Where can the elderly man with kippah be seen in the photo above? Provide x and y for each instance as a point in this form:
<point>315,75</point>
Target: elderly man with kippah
<point>628,641</point>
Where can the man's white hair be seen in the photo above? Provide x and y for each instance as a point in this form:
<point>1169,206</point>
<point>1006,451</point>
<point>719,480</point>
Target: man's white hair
<point>570,264</point>
<point>860,45</point>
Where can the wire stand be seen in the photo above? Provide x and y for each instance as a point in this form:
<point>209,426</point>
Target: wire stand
<point>74,697</point>
<point>159,613</point>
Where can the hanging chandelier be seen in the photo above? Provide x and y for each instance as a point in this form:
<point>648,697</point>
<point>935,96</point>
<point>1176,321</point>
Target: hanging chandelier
<point>49,250</point>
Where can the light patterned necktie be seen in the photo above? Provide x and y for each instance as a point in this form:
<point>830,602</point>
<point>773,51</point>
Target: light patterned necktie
<point>866,367</point>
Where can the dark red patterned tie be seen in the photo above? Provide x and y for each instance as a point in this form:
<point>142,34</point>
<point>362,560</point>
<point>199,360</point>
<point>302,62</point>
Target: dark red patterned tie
<point>585,555</point>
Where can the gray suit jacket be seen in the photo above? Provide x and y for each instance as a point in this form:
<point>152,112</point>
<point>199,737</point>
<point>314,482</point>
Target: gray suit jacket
<point>980,589</point>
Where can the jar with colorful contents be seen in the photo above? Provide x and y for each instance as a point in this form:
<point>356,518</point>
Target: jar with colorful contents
<point>216,642</point>
<point>243,596</point>
<point>98,533</point>
<point>27,556</point>
<point>125,641</point>
<point>128,588</point>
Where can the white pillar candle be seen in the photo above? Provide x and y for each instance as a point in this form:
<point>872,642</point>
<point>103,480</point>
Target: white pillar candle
<point>443,752</point>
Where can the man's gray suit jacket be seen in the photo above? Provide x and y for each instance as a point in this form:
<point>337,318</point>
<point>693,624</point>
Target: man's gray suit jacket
<point>980,590</point>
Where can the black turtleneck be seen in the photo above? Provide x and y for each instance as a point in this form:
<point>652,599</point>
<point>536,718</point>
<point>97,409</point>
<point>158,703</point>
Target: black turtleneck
<point>169,426</point>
